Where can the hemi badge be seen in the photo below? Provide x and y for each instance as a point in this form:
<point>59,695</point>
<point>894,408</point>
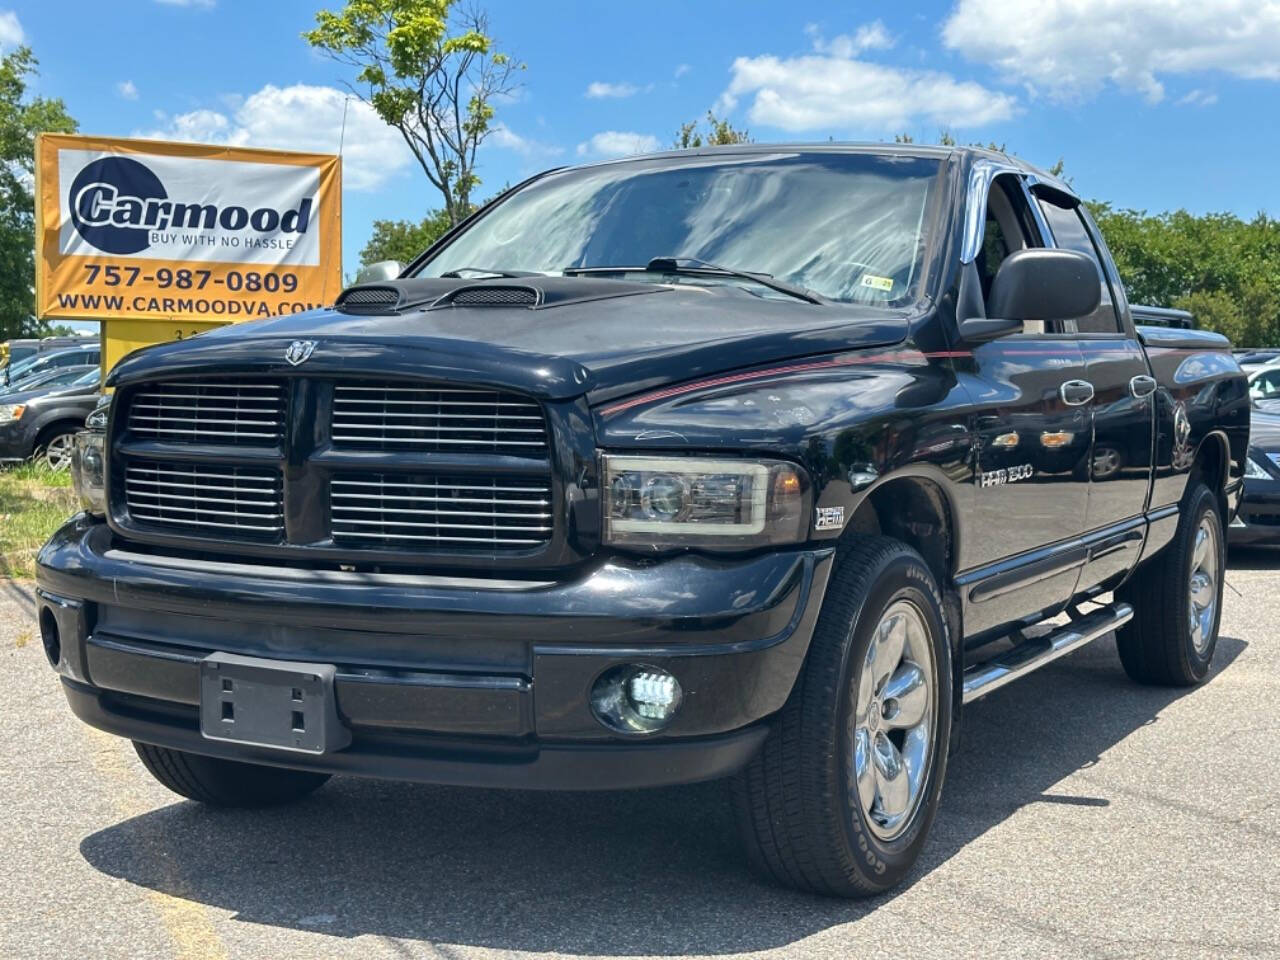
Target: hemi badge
<point>829,518</point>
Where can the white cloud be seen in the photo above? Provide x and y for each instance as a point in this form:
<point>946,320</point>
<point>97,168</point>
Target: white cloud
<point>598,90</point>
<point>869,36</point>
<point>300,117</point>
<point>826,92</point>
<point>1069,49</point>
<point>127,90</point>
<point>682,70</point>
<point>617,143</point>
<point>1198,98</point>
<point>503,136</point>
<point>11,34</point>
<point>832,88</point>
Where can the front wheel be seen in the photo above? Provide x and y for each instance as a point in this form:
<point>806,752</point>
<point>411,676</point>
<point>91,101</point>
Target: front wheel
<point>841,797</point>
<point>1177,600</point>
<point>226,783</point>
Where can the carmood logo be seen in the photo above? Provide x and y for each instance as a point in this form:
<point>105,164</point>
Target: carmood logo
<point>95,205</point>
<point>120,206</point>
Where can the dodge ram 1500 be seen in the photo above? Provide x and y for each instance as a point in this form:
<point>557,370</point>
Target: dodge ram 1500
<point>758,462</point>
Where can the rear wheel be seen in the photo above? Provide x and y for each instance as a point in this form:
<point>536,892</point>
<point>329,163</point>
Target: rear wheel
<point>841,797</point>
<point>226,783</point>
<point>1177,600</point>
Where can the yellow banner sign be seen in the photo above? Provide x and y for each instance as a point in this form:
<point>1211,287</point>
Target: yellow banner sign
<point>138,229</point>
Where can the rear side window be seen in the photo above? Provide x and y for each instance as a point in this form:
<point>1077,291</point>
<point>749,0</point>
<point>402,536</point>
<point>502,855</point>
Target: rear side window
<point>1069,232</point>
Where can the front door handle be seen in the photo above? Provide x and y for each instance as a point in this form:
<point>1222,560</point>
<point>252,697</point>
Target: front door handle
<point>1142,386</point>
<point>1076,393</point>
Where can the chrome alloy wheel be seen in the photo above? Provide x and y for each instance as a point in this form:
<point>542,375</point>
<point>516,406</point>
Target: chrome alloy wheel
<point>894,719</point>
<point>57,452</point>
<point>1204,583</point>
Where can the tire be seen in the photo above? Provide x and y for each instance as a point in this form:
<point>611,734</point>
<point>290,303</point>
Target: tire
<point>54,450</point>
<point>1161,645</point>
<point>226,783</point>
<point>798,803</point>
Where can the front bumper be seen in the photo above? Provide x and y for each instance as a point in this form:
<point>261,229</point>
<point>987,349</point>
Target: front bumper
<point>1257,522</point>
<point>443,680</point>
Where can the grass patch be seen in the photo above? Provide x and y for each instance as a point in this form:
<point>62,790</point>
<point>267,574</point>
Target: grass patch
<point>34,502</point>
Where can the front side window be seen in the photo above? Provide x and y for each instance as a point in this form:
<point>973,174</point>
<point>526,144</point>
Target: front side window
<point>851,227</point>
<point>1070,233</point>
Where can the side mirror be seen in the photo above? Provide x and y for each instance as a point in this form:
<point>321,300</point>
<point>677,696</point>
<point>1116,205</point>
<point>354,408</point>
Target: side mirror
<point>1034,286</point>
<point>382,270</point>
<point>1041,284</point>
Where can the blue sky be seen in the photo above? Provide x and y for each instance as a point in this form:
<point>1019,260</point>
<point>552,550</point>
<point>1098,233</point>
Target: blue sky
<point>1153,103</point>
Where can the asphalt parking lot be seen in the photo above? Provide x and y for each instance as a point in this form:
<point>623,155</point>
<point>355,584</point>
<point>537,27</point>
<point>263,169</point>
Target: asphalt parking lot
<point>1083,816</point>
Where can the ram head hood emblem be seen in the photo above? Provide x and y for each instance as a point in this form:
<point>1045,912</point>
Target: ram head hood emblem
<point>299,351</point>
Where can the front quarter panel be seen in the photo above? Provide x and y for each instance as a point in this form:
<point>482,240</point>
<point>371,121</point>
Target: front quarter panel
<point>854,421</point>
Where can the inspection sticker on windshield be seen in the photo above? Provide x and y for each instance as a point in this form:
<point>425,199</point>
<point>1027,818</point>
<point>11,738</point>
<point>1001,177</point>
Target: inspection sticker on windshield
<point>879,283</point>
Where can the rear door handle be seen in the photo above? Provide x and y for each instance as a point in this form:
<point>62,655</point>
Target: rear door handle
<point>1142,386</point>
<point>1076,393</point>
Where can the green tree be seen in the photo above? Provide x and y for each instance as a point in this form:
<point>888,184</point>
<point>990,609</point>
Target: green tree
<point>1222,268</point>
<point>717,133</point>
<point>21,118</point>
<point>403,240</point>
<point>430,70</point>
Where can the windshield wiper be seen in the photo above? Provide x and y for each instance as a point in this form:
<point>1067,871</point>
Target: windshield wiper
<point>457,274</point>
<point>693,267</point>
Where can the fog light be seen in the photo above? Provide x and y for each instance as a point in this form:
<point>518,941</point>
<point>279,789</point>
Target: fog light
<point>635,698</point>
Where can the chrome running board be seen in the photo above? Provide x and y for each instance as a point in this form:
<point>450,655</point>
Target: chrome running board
<point>1008,665</point>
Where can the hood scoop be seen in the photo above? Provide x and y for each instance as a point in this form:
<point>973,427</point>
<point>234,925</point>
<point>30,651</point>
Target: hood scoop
<point>491,295</point>
<point>368,299</point>
<point>528,293</point>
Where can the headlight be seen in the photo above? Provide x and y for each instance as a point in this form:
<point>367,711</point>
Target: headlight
<point>87,459</point>
<point>97,420</point>
<point>659,502</point>
<point>11,411</point>
<point>1255,470</point>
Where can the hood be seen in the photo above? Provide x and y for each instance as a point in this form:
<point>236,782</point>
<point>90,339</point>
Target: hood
<point>601,337</point>
<point>52,393</point>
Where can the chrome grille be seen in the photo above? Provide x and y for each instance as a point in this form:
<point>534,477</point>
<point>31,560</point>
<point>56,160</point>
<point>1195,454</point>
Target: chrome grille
<point>398,511</point>
<point>431,419</point>
<point>233,501</point>
<point>224,411</point>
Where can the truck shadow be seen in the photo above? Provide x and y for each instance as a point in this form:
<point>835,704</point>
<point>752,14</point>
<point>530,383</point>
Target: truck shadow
<point>650,872</point>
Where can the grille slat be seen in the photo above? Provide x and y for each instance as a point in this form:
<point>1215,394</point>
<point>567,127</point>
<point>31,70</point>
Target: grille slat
<point>430,419</point>
<point>248,500</point>
<point>431,509</point>
<point>235,495</point>
<point>228,412</point>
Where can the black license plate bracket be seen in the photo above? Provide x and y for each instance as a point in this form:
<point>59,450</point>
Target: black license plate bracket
<point>281,705</point>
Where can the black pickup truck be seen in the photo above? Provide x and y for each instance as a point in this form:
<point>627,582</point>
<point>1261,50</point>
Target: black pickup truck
<point>757,462</point>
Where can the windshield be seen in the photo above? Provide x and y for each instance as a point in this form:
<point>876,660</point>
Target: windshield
<point>21,367</point>
<point>850,227</point>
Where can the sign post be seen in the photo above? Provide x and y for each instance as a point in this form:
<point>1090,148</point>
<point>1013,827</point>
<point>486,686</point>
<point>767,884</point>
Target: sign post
<point>160,241</point>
